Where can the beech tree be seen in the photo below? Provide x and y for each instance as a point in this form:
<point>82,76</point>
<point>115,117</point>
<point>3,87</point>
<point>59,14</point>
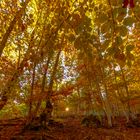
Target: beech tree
<point>84,51</point>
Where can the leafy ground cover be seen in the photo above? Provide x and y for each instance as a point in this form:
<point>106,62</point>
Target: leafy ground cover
<point>70,130</point>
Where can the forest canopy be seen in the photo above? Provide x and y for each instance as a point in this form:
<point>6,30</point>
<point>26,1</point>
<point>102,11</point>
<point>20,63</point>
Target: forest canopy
<point>81,56</point>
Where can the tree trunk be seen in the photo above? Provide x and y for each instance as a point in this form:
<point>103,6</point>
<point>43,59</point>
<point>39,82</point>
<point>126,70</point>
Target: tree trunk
<point>49,107</point>
<point>107,103</point>
<point>118,92</point>
<point>127,92</point>
<point>42,86</point>
<point>32,90</point>
<point>9,85</point>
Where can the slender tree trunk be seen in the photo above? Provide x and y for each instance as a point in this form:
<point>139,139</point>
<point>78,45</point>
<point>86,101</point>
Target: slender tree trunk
<point>118,92</point>
<point>91,89</point>
<point>127,92</point>
<point>32,90</point>
<point>99,93</point>
<point>10,84</point>
<point>11,26</point>
<point>106,100</point>
<point>79,102</point>
<point>42,87</point>
<point>49,107</point>
<point>102,70</point>
<point>19,70</point>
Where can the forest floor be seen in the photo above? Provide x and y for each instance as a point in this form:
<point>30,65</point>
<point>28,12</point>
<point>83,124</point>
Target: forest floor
<point>70,130</point>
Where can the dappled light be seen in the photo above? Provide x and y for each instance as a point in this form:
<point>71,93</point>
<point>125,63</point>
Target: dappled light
<point>69,69</point>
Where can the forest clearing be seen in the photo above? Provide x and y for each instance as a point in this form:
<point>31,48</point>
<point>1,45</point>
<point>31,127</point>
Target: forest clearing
<point>69,70</point>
